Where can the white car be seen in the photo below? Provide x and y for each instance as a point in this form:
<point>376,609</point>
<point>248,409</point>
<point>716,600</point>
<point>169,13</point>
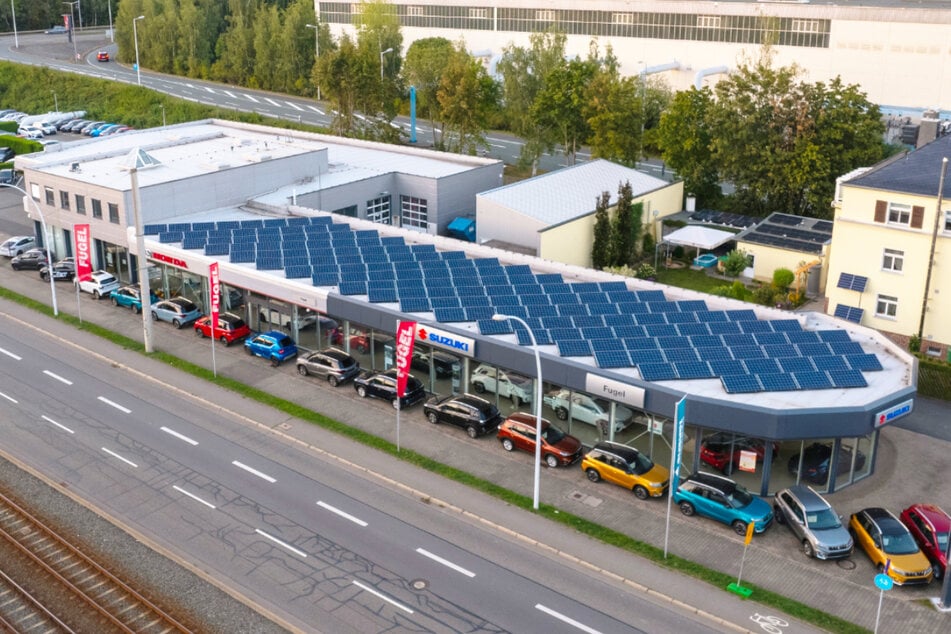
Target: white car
<point>585,409</point>
<point>17,245</point>
<point>514,386</point>
<point>100,284</point>
<point>30,132</point>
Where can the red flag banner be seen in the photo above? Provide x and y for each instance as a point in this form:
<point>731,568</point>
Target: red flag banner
<point>405,336</point>
<point>83,252</point>
<point>214,293</point>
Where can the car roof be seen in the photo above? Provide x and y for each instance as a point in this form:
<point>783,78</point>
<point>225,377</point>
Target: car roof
<point>336,353</point>
<point>811,500</point>
<point>274,334</point>
<point>525,418</point>
<point>712,480</point>
<point>624,451</point>
<point>475,401</point>
<point>934,514</point>
<point>885,520</point>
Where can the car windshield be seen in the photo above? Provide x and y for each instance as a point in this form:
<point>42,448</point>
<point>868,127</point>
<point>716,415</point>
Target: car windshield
<point>822,520</point>
<point>943,541</point>
<point>553,435</point>
<point>740,497</point>
<point>642,464</point>
<point>899,544</point>
<point>284,342</point>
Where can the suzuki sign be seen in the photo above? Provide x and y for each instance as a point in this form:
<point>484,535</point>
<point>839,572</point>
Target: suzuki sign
<point>445,340</point>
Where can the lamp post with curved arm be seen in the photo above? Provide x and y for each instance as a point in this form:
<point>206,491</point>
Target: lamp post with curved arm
<point>135,38</point>
<point>538,402</point>
<point>46,233</point>
<point>316,28</point>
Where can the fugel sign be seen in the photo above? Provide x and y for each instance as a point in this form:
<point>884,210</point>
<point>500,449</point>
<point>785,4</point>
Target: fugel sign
<point>445,340</point>
<point>83,252</point>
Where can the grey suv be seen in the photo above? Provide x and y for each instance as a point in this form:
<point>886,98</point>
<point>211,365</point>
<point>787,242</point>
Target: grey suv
<point>814,523</point>
<point>332,364</point>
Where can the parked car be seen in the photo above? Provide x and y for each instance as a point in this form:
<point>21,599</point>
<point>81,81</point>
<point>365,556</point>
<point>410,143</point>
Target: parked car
<point>885,539</point>
<point>930,526</point>
<point>487,378</point>
<point>178,311</point>
<point>441,362</point>
<point>7,177</point>
<point>63,125</point>
<point>721,450</point>
<point>815,462</point>
<point>131,297</point>
<point>627,467</point>
<point>89,127</point>
<point>63,271</point>
<point>362,342</point>
<point>814,522</point>
<point>47,127</point>
<point>32,260</point>
<point>588,410</point>
<point>558,448</point>
<point>6,154</point>
<point>30,132</point>
<point>273,345</point>
<point>305,319</point>
<point>102,56</point>
<point>16,245</point>
<point>75,126</point>
<point>97,132</point>
<point>56,30</point>
<point>383,385</point>
<point>332,364</point>
<point>472,413</point>
<point>230,328</point>
<point>724,500</point>
<point>100,284</point>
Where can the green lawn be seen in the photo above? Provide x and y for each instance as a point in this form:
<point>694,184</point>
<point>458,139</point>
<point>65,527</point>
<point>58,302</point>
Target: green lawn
<point>688,278</point>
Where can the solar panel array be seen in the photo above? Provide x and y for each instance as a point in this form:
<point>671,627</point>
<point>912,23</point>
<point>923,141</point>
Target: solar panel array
<point>852,282</point>
<point>849,313</point>
<point>791,232</point>
<point>617,327</point>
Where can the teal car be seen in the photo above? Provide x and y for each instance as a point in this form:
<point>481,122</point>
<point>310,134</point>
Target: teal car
<point>130,297</point>
<point>724,500</point>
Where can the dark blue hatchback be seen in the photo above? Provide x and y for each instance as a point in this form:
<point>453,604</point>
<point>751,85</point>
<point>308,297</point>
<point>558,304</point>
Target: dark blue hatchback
<point>273,345</point>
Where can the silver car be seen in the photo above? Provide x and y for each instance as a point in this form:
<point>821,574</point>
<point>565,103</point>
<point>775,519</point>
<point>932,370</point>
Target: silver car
<point>177,310</point>
<point>814,522</point>
<point>332,364</point>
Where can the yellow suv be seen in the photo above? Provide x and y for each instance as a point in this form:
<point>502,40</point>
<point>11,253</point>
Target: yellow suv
<point>890,546</point>
<point>626,467</point>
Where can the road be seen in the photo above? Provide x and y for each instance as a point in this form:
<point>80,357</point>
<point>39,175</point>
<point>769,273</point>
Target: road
<point>304,534</point>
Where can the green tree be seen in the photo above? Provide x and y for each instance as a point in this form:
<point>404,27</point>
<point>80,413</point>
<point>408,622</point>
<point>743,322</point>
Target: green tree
<point>559,106</point>
<point>343,72</point>
<point>466,95</point>
<point>234,50</point>
<point>782,278</point>
<point>686,143</point>
<point>424,68</point>
<point>624,232</point>
<point>614,110</point>
<point>267,29</point>
<point>735,263</point>
<point>601,247</point>
<point>378,30</point>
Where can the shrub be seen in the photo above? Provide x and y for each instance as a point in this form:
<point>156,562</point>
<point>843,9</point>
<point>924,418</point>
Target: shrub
<point>734,264</point>
<point>782,278</point>
<point>645,271</point>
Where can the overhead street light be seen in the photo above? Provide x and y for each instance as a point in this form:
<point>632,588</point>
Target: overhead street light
<point>135,38</point>
<point>316,28</point>
<point>72,27</point>
<point>16,38</point>
<point>537,403</point>
<point>46,242</point>
<point>382,53</point>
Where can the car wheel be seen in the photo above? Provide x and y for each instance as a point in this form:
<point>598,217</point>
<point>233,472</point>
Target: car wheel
<point>155,318</point>
<point>641,492</point>
<point>472,431</point>
<point>479,387</point>
<point>136,309</point>
<point>561,413</point>
<point>551,461</point>
<point>275,362</point>
<point>687,509</point>
<point>45,278</point>
<point>246,348</point>
<point>433,418</point>
<point>177,323</point>
<point>777,512</point>
<point>16,267</point>
<point>362,392</point>
<point>225,341</point>
<point>739,527</point>
<point>937,572</point>
<point>96,295</point>
<point>334,381</point>
<point>507,444</point>
<point>807,549</point>
<point>115,302</point>
<point>593,474</point>
<point>199,333</point>
<point>302,370</point>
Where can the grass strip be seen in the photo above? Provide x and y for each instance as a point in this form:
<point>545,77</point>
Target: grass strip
<point>609,536</point>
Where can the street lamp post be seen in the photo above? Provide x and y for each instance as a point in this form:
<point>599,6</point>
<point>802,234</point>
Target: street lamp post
<point>162,106</point>
<point>135,38</point>
<point>316,28</point>
<point>537,399</point>
<point>16,38</point>
<point>72,27</point>
<point>55,102</point>
<point>382,53</point>
<point>46,241</point>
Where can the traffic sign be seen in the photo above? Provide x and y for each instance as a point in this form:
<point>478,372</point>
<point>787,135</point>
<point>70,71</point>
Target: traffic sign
<point>883,582</point>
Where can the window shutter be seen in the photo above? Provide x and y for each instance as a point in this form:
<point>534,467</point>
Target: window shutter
<point>881,208</point>
<point>917,216</point>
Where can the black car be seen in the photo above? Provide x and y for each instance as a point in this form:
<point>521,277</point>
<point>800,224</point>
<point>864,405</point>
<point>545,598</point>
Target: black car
<point>815,462</point>
<point>473,413</point>
<point>6,154</point>
<point>383,385</point>
<point>63,271</point>
<point>34,260</point>
<point>441,362</point>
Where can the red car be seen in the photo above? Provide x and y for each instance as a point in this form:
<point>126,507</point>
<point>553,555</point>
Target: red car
<point>102,56</point>
<point>715,450</point>
<point>230,328</point>
<point>930,526</point>
<point>558,448</point>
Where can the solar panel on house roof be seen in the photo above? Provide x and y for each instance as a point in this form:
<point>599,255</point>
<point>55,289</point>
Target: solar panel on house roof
<point>755,326</point>
<point>651,296</point>
<point>741,315</point>
<point>847,378</point>
<point>603,309</point>
<point>681,318</point>
<point>613,286</point>
<point>796,364</point>
<point>542,310</point>
<point>661,330</point>
<point>849,313</point>
<point>471,301</point>
<point>692,305</point>
<point>770,338</point>
<point>814,349</point>
<point>475,313</point>
<point>723,327</point>
<point>353,288</point>
<point>541,337</point>
<point>634,308</point>
<point>381,294</point>
<point>653,319</point>
<point>606,344</point>
<point>585,287</point>
<point>711,316</point>
<point>830,362</point>
<point>325,279</point>
<point>779,350</point>
<point>694,329</point>
<point>740,383</point>
<point>622,296</point>
<point>587,321</point>
<point>761,366</point>
<point>711,353</point>
<point>657,371</point>
<point>612,358</point>
<point>736,339</point>
<point>533,300</point>
<point>629,331</point>
<point>564,298</point>
<point>705,341</point>
<point>564,334</point>
<point>217,249</point>
<point>833,335</point>
<point>572,309</point>
<point>504,301</point>
<point>597,332</point>
<point>298,272</point>
<point>154,229</point>
<point>803,336</point>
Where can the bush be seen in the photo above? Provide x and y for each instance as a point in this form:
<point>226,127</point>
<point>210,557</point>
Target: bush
<point>782,278</point>
<point>767,295</point>
<point>736,290</point>
<point>645,271</point>
<point>914,343</point>
<point>734,264</point>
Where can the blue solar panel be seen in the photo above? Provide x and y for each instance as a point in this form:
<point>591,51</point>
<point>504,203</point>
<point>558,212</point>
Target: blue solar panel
<point>833,335</point>
<point>866,362</point>
<point>500,301</point>
<point>298,272</point>
<point>449,315</point>
<point>353,288</point>
<point>733,340</point>
<point>748,352</point>
<point>852,282</point>
<point>325,279</point>
<point>746,314</point>
<point>692,305</point>
<point>665,342</point>
<point>565,334</point>
<point>552,288</point>
<point>587,321</point>
<point>635,308</point>
<point>180,226</point>
<point>657,371</point>
<point>470,301</point>
<point>847,378</point>
<point>405,291</point>
<point>740,383</point>
<point>706,341</point>
<point>693,330</point>
<point>646,356</point>
<point>694,370</point>
<point>770,338</point>
<point>572,309</point>
<point>564,298</point>
<point>711,316</point>
<point>519,311</point>
<point>649,319</point>
<point>170,237</point>
<point>622,296</point>
<point>487,263</point>
<point>849,313</point>
<point>680,355</point>
<point>414,305</point>
<point>606,344</point>
<point>217,249</point>
<point>755,326</point>
<point>723,327</point>
<point>761,366</point>
<point>796,364</point>
<point>612,286</point>
<point>493,327</point>
<point>475,313</point>
<point>682,318</point>
<point>586,287</point>
<point>154,230</point>
<point>453,255</point>
<point>777,382</point>
<point>727,367</point>
<point>813,380</point>
<point>629,331</point>
<point>557,322</point>
<point>445,301</point>
<point>593,298</point>
<point>663,307</point>
<point>612,358</point>
<point>802,336</point>
<point>777,351</point>
<point>603,309</point>
<point>830,362</point>
<point>541,337</point>
<point>711,353</point>
<point>662,330</point>
<point>814,349</point>
<point>381,294</point>
<point>541,310</point>
<point>651,296</point>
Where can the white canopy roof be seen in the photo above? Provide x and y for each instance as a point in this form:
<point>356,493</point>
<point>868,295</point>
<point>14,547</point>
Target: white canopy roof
<point>699,237</point>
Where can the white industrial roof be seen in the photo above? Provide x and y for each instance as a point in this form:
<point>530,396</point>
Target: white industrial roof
<point>570,193</point>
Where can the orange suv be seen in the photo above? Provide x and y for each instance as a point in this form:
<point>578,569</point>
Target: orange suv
<point>102,56</point>
<point>558,448</point>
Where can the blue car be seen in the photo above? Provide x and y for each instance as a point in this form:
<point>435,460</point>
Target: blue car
<point>273,345</point>
<point>724,500</point>
<point>129,297</point>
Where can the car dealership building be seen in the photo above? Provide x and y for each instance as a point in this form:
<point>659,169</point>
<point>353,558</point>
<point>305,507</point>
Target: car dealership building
<point>302,223</point>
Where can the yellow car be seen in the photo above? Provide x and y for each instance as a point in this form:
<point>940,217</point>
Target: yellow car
<point>627,467</point>
<point>890,546</point>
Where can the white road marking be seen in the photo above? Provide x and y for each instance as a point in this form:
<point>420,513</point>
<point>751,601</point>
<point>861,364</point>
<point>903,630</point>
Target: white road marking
<point>16,356</point>
<point>382,596</point>
<point>124,410</point>
<point>229,93</point>
<point>445,562</point>
<point>294,105</point>
<point>565,619</point>
<point>509,141</point>
<point>192,496</point>
<point>63,427</point>
<point>251,98</point>
<point>280,543</point>
<point>272,102</point>
<point>189,85</point>
<point>317,110</point>
<point>334,509</point>
<point>115,455</point>
<point>172,432</point>
<point>210,90</point>
<point>263,476</point>
<point>57,377</point>
<point>9,398</point>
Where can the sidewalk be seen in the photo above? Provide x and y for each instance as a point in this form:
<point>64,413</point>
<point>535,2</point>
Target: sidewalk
<point>908,462</point>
